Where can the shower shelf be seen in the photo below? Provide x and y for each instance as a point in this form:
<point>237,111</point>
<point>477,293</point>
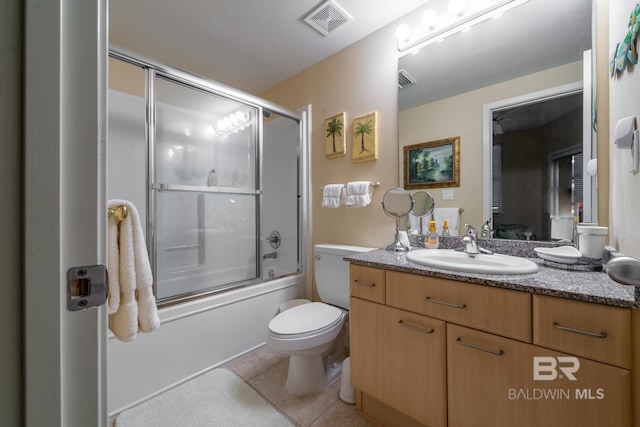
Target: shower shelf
<point>202,189</point>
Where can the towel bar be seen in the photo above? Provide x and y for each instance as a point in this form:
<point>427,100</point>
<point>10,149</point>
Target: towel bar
<point>375,185</point>
<point>120,212</point>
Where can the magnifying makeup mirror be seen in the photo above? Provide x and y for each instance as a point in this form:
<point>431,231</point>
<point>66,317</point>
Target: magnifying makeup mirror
<point>423,205</point>
<point>397,203</point>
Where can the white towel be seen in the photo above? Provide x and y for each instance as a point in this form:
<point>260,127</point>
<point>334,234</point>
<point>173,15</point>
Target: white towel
<point>137,306</point>
<point>113,265</point>
<point>333,195</point>
<point>358,194</point>
<point>450,214</point>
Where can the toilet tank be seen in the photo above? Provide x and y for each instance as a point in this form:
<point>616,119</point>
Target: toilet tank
<point>332,272</point>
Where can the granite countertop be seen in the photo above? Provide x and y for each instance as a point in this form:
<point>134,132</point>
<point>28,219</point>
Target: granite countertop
<point>589,286</point>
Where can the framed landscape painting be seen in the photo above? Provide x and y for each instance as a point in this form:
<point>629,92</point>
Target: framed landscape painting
<point>432,164</point>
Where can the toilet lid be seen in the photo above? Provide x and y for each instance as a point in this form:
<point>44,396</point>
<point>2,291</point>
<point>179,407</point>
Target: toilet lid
<point>305,318</point>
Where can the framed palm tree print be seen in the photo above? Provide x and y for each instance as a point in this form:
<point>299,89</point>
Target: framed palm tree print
<point>334,141</point>
<point>432,164</point>
<point>365,138</point>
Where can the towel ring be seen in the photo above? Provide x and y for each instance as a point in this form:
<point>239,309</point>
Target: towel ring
<point>121,212</point>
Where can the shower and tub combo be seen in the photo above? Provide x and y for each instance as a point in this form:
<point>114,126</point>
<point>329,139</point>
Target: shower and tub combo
<point>226,249</point>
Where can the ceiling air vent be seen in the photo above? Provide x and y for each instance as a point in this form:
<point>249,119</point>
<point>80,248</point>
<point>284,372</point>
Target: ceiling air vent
<point>328,17</point>
<point>404,79</point>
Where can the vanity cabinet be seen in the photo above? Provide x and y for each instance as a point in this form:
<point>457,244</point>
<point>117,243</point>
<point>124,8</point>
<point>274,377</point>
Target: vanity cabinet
<point>448,353</point>
<point>399,357</point>
<point>491,382</point>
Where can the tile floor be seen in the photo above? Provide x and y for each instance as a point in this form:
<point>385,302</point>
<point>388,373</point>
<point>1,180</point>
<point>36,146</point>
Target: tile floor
<point>266,371</point>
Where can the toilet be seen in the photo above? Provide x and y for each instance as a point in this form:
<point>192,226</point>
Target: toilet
<point>307,331</point>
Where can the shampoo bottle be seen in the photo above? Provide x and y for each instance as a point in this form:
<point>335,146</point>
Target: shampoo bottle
<point>212,179</point>
<point>432,241</point>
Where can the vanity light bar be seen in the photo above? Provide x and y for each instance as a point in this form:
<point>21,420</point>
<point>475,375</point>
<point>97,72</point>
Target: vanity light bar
<point>495,8</point>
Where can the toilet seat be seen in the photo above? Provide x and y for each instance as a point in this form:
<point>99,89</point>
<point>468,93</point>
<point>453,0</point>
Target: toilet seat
<point>305,319</point>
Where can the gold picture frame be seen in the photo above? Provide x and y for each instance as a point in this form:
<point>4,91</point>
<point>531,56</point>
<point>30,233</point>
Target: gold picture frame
<point>432,164</point>
<point>335,140</point>
<point>365,138</point>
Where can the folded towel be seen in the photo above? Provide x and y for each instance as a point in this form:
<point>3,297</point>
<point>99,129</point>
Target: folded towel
<point>450,214</point>
<point>358,194</point>
<point>137,307</point>
<point>333,195</point>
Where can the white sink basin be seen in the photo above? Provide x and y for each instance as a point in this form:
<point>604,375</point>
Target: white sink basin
<point>448,259</point>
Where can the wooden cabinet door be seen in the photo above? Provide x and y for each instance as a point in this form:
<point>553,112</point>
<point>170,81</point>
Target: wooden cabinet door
<point>495,381</point>
<point>399,358</point>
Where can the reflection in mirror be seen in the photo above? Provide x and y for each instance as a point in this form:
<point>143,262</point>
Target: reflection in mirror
<point>450,82</point>
<point>536,163</point>
<point>423,205</point>
<point>397,203</point>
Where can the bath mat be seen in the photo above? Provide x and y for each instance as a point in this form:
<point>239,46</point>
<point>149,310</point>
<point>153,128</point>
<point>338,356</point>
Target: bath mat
<point>215,398</point>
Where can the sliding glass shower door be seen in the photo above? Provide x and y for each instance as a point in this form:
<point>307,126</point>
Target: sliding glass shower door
<point>215,174</point>
<point>205,189</point>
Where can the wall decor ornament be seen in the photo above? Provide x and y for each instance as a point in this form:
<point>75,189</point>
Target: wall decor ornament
<point>365,138</point>
<point>334,142</point>
<point>626,52</point>
<point>432,164</point>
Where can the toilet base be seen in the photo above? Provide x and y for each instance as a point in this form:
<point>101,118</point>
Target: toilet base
<point>309,374</point>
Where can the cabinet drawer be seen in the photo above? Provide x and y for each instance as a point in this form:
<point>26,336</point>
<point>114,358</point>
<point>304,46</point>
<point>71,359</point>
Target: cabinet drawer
<point>367,283</point>
<point>593,331</point>
<point>499,311</point>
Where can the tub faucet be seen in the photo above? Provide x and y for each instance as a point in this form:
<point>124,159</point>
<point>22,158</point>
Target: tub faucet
<point>470,242</point>
<point>273,255</point>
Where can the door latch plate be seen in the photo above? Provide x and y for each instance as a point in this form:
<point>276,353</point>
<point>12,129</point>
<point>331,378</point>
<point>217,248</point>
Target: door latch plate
<point>87,287</point>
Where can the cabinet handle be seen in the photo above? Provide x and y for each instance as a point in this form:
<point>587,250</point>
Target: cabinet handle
<point>477,347</point>
<point>415,328</point>
<point>579,331</point>
<point>448,304</point>
<point>368,285</point>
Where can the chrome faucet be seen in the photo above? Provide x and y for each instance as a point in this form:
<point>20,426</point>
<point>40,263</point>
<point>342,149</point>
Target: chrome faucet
<point>470,242</point>
<point>273,255</point>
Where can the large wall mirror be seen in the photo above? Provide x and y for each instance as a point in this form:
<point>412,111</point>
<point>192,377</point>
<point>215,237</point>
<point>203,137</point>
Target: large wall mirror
<point>466,85</point>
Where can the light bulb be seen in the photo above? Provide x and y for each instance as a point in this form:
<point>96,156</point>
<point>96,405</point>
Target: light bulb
<point>429,18</point>
<point>241,116</point>
<point>403,32</point>
<point>456,7</point>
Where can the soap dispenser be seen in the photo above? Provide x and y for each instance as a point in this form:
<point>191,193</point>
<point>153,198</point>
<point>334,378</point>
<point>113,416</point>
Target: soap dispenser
<point>485,232</point>
<point>445,228</point>
<point>432,241</point>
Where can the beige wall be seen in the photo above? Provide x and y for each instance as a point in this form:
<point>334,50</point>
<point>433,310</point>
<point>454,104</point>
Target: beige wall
<point>11,47</point>
<point>462,116</point>
<point>357,80</point>
<point>126,77</point>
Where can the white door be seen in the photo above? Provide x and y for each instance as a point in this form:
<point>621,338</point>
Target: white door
<point>65,208</point>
